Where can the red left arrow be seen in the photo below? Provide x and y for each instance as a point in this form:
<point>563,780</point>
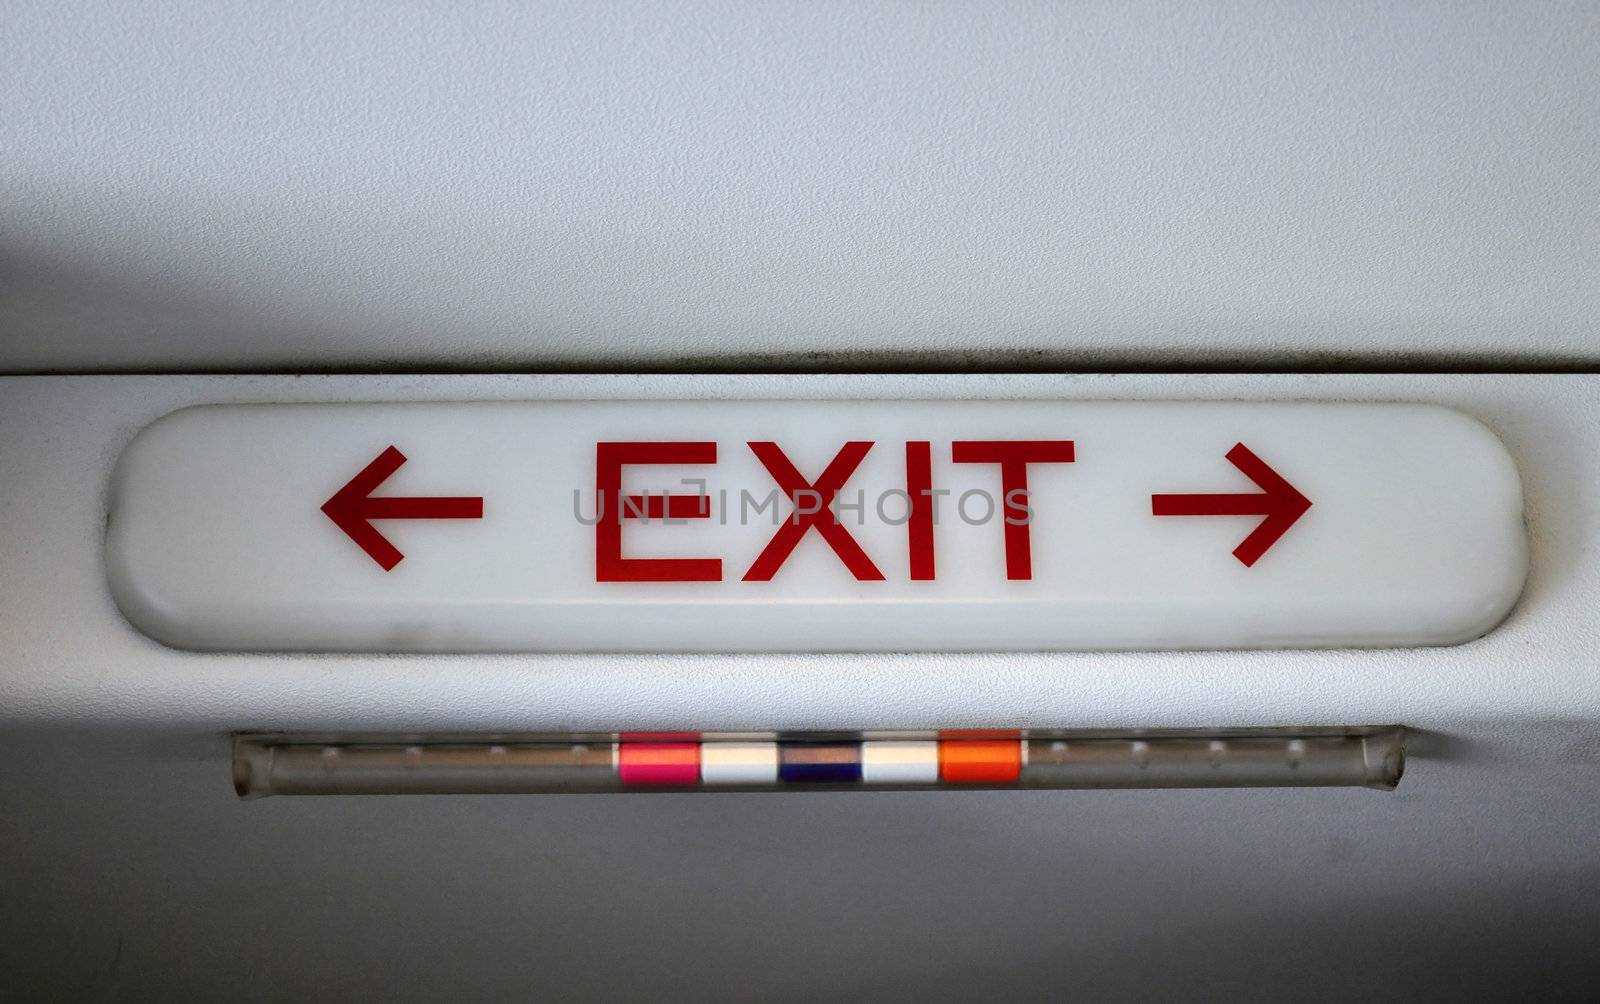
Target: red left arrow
<point>353,507</point>
<point>1278,501</point>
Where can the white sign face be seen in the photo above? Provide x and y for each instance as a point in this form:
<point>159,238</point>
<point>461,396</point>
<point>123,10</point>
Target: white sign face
<point>750,526</point>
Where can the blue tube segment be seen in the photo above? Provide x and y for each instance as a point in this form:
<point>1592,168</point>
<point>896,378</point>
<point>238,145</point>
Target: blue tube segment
<point>819,763</point>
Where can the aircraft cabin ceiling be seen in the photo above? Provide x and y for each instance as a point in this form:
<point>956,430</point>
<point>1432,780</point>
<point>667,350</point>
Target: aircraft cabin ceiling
<point>809,206</point>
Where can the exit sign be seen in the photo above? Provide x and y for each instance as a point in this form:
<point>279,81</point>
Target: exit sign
<point>814,526</point>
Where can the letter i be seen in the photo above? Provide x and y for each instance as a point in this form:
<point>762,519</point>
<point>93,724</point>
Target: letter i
<point>919,527</point>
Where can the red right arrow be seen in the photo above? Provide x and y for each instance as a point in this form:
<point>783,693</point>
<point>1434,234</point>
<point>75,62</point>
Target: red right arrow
<point>1278,501</point>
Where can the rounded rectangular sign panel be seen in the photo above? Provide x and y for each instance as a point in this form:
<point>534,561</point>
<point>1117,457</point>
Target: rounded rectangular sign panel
<point>751,526</point>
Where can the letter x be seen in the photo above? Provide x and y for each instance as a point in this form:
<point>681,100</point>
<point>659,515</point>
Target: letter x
<point>827,487</point>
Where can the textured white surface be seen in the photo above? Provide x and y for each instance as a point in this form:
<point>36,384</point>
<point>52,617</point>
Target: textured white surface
<point>131,870</point>
<point>466,185</point>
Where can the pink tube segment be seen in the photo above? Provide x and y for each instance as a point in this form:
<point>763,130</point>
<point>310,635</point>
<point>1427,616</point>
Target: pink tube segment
<point>666,758</point>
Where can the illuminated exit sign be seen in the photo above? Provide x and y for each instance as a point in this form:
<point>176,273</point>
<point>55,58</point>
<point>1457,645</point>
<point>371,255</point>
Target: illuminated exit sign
<point>654,526</point>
